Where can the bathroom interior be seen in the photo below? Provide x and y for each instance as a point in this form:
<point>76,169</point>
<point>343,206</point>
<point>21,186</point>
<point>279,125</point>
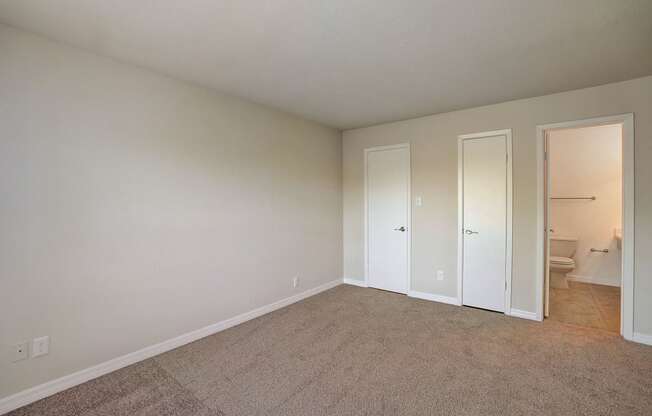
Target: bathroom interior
<point>585,226</point>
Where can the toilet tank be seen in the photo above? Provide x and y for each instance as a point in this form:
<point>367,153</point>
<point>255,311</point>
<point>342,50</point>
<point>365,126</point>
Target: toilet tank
<point>563,246</point>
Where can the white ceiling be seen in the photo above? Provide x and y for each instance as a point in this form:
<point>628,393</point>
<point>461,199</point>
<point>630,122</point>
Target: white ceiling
<point>351,63</point>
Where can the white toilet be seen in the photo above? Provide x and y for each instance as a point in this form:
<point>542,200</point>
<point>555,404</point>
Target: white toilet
<point>562,250</point>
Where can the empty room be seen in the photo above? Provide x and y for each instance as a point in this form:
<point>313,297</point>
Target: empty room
<point>284,207</point>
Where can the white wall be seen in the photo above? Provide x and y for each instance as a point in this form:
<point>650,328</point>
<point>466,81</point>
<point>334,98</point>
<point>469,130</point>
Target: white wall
<point>135,208</point>
<point>434,178</point>
<point>588,162</point>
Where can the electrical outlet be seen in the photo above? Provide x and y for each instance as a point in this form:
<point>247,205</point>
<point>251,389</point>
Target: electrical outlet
<point>419,201</point>
<point>295,281</point>
<point>21,352</point>
<point>40,346</point>
<point>440,275</point>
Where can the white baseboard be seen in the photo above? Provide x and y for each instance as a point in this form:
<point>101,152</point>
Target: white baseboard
<point>595,281</point>
<point>433,297</point>
<point>642,338</point>
<point>44,390</point>
<point>517,313</point>
<point>354,282</point>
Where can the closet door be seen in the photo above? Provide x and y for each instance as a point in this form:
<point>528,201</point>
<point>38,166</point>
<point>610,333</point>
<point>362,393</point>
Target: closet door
<point>388,206</point>
<point>485,211</point>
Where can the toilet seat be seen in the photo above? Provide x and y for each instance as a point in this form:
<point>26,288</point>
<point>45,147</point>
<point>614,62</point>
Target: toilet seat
<point>561,264</point>
<point>562,261</point>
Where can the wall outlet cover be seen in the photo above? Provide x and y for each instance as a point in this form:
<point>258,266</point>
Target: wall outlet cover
<point>21,352</point>
<point>40,346</point>
<point>440,275</point>
<point>295,281</point>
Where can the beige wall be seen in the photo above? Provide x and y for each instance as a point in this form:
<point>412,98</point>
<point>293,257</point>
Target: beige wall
<point>434,178</point>
<point>585,162</point>
<point>135,208</point>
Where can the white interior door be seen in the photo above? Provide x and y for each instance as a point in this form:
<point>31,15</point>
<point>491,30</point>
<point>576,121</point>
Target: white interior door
<point>388,205</point>
<point>546,254</point>
<point>485,225</point>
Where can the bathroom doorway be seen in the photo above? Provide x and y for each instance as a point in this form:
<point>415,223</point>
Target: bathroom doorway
<point>586,212</point>
<point>585,226</point>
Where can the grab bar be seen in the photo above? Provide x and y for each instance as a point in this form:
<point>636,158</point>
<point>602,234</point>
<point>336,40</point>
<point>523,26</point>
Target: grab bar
<point>592,198</point>
<point>597,250</point>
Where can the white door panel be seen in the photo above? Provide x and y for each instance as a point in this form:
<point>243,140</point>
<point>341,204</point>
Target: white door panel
<point>388,201</point>
<point>485,222</point>
<point>546,213</point>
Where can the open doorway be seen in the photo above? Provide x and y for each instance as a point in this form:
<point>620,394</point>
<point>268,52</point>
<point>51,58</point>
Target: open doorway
<point>586,214</point>
<point>585,226</point>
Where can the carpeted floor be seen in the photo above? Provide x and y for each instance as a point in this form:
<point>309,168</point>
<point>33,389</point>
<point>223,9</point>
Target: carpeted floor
<point>354,351</point>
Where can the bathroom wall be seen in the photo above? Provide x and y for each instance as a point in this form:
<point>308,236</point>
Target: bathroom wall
<point>587,162</point>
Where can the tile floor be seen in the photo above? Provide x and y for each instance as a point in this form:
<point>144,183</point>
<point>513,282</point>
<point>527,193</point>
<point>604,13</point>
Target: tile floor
<point>588,305</point>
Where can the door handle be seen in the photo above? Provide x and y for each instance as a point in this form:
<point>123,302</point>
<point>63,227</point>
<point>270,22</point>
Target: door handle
<point>401,229</point>
<point>469,232</point>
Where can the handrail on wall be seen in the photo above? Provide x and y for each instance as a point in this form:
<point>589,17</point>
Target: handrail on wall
<point>592,198</point>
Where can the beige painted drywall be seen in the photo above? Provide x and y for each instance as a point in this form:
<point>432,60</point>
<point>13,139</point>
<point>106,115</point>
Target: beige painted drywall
<point>434,179</point>
<point>587,162</point>
<point>135,208</point>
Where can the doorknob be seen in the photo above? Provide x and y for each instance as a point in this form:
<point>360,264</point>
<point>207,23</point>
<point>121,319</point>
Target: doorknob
<point>469,232</point>
<point>401,229</point>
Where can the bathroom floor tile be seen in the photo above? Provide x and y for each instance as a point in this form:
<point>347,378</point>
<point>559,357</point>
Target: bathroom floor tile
<point>588,305</point>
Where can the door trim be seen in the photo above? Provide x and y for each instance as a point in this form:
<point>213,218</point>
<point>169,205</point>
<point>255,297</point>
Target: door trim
<point>627,280</point>
<point>409,211</point>
<point>460,212</point>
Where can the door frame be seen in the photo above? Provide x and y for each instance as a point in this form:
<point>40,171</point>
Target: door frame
<point>627,279</point>
<point>367,151</point>
<point>509,208</point>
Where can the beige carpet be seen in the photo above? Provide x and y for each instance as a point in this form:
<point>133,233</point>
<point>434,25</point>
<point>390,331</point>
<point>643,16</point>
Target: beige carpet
<point>354,351</point>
